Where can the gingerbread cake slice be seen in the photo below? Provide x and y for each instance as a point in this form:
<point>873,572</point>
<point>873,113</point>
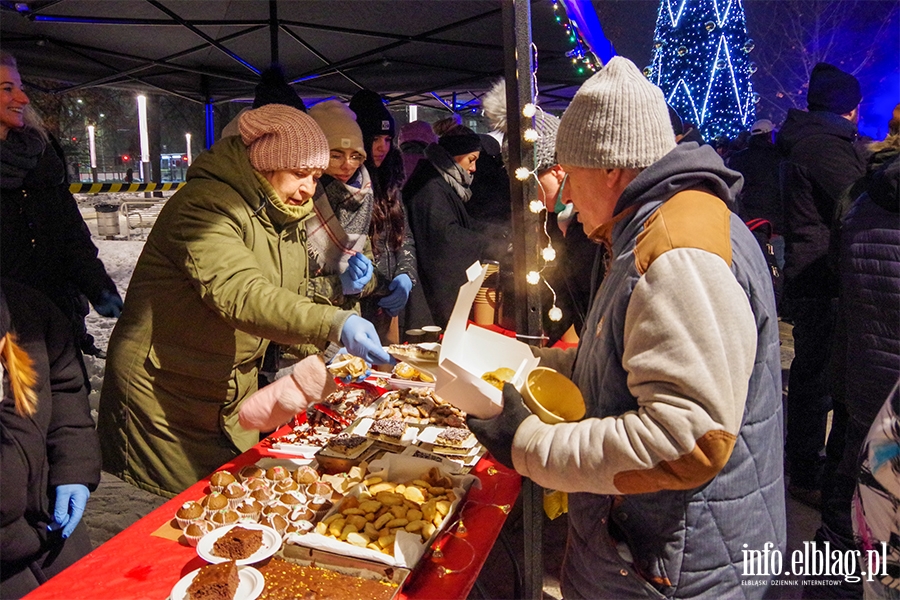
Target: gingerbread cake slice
<point>238,543</point>
<point>215,582</point>
<point>453,440</point>
<point>388,430</point>
<point>346,444</point>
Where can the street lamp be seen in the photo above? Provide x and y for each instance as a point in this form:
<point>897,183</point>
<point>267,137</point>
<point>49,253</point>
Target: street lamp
<point>93,153</point>
<point>187,138</point>
<point>145,138</point>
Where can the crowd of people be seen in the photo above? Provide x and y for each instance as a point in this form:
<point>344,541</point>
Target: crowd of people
<point>307,232</point>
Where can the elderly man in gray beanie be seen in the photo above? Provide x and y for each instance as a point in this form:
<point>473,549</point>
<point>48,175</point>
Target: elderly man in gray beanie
<point>674,474</point>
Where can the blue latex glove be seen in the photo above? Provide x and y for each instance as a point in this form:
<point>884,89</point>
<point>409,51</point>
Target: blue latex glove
<point>394,302</point>
<point>110,304</point>
<point>350,378</point>
<point>361,339</point>
<point>357,274</point>
<point>71,499</point>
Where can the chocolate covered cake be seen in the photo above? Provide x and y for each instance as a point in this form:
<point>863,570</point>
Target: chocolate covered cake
<point>238,543</point>
<point>388,430</point>
<point>346,444</point>
<point>215,582</point>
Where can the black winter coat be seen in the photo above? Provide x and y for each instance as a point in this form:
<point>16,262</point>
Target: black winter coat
<point>820,163</point>
<point>447,242</point>
<point>57,445</point>
<point>760,198</point>
<point>45,243</point>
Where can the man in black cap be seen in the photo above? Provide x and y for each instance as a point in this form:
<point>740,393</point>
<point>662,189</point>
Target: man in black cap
<point>820,162</point>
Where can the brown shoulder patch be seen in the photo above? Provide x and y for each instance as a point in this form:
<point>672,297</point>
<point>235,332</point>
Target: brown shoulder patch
<point>695,468</point>
<point>689,219</point>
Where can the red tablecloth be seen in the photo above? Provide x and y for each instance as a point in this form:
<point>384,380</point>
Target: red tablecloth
<point>137,565</point>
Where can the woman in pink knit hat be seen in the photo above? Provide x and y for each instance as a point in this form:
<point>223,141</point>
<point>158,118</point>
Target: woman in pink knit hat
<point>223,272</point>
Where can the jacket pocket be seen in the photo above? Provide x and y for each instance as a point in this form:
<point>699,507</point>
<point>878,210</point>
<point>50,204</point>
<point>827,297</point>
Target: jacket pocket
<point>191,362</point>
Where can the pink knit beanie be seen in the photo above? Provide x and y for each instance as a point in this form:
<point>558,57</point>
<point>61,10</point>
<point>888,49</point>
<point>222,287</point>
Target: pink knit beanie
<point>282,138</point>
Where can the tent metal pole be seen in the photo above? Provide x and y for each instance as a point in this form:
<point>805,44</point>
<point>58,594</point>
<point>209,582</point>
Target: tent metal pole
<point>273,30</point>
<point>518,63</point>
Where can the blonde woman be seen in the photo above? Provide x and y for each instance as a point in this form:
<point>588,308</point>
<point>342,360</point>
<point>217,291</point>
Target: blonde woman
<point>50,458</point>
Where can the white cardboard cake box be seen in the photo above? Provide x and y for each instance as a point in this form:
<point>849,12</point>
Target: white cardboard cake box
<point>467,352</point>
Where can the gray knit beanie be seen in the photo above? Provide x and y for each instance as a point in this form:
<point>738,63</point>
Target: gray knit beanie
<point>545,147</point>
<point>618,119</point>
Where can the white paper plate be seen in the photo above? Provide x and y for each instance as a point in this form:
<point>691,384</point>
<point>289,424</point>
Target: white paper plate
<point>271,542</point>
<point>250,587</point>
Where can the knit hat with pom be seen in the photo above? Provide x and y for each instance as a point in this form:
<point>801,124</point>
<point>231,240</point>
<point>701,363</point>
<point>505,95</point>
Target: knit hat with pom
<point>281,138</point>
<point>546,125</point>
<point>339,124</point>
<point>273,88</point>
<point>617,119</point>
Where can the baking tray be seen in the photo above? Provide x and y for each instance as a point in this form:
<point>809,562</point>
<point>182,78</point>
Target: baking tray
<point>346,565</point>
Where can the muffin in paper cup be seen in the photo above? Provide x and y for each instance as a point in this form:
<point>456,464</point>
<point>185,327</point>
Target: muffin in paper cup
<point>220,480</point>
<point>249,510</point>
<point>189,512</point>
<point>264,496</point>
<point>195,530</point>
<point>251,472</point>
<point>235,493</point>
<point>223,517</point>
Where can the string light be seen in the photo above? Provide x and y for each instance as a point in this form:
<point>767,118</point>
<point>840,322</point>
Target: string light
<point>581,54</point>
<point>533,278</point>
<point>536,206</point>
<point>555,313</point>
<point>529,110</point>
<point>522,173</point>
<point>530,135</point>
<point>548,254</point>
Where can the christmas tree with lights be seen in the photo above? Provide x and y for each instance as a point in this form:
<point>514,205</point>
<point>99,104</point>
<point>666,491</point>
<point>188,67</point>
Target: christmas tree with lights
<point>701,61</point>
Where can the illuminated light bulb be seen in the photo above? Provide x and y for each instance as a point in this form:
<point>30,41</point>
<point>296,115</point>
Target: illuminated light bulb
<point>530,135</point>
<point>529,110</point>
<point>522,173</point>
<point>548,253</point>
<point>536,206</point>
<point>533,277</point>
<point>555,313</point>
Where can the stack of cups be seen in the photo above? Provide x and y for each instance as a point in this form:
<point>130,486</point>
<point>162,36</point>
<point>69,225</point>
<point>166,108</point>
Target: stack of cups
<point>487,298</point>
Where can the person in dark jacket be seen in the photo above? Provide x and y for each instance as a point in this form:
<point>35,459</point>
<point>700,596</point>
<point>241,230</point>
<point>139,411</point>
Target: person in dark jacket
<point>820,163</point>
<point>391,237</point>
<point>761,196</point>
<point>867,338</point>
<point>50,458</point>
<point>44,241</point>
<point>447,242</point>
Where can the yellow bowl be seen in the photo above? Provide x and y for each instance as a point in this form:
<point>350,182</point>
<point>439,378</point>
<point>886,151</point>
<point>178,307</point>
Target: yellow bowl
<point>553,397</point>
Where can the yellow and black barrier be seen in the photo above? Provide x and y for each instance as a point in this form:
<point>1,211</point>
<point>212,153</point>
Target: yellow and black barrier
<point>98,188</point>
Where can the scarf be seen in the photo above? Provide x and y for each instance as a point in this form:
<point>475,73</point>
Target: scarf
<point>339,226</point>
<point>455,175</point>
<point>19,154</point>
<point>352,201</point>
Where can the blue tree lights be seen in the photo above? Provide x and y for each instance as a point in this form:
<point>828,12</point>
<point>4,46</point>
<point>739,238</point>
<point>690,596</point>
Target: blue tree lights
<point>701,61</point>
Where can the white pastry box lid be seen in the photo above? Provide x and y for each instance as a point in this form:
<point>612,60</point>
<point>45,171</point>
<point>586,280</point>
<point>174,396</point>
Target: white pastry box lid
<point>467,352</point>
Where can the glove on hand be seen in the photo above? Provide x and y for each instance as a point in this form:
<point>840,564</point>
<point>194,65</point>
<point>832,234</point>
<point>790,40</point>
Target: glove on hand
<point>497,434</point>
<point>357,274</point>
<point>360,339</point>
<point>110,304</point>
<point>396,300</point>
<point>71,499</point>
<point>275,404</point>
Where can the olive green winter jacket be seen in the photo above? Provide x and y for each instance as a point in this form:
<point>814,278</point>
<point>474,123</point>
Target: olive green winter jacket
<point>222,272</point>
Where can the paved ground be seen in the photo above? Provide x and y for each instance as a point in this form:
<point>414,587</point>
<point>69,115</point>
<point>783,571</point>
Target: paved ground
<point>115,505</point>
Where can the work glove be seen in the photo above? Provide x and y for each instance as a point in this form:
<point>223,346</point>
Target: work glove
<point>275,404</point>
<point>342,355</point>
<point>396,300</point>
<point>71,500</point>
<point>360,339</point>
<point>357,274</point>
<point>497,434</point>
<point>109,305</point>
